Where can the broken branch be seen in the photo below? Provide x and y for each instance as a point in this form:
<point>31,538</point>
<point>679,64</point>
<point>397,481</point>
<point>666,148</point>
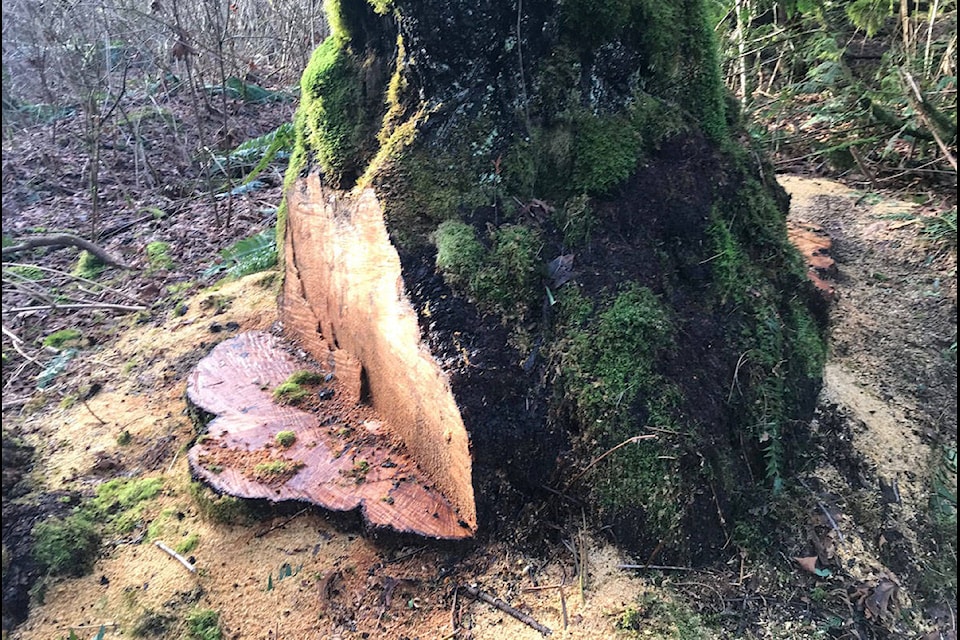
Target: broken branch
<point>65,240</point>
<point>503,606</point>
<point>176,556</point>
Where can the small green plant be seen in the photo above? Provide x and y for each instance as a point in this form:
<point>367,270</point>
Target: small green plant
<point>63,338</point>
<point>124,438</point>
<point>158,256</point>
<point>66,546</point>
<point>204,624</point>
<point>275,469</point>
<point>88,266</point>
<point>248,255</point>
<point>290,393</point>
<point>286,439</point>
<point>188,544</point>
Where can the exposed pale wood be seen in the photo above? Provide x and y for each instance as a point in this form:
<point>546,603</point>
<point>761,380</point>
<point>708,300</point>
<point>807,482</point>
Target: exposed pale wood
<point>342,458</point>
<point>344,302</point>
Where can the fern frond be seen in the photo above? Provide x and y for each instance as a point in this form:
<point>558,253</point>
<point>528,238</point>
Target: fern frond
<point>248,255</point>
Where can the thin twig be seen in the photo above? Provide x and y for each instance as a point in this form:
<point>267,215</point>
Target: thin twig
<point>176,556</point>
<point>99,419</point>
<point>17,342</point>
<point>606,453</point>
<point>260,534</point>
<point>503,606</point>
<point>75,277</point>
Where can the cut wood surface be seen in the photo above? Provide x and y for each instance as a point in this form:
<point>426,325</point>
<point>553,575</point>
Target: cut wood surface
<point>344,301</point>
<point>342,458</point>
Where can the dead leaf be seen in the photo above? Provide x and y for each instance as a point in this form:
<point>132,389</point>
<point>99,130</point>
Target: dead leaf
<point>809,564</point>
<point>877,603</point>
<point>560,270</point>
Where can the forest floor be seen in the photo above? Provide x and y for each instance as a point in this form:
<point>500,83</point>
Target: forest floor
<point>860,546</point>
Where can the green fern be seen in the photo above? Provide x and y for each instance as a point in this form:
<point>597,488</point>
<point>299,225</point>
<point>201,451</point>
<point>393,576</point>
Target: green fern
<point>263,150</point>
<point>249,255</point>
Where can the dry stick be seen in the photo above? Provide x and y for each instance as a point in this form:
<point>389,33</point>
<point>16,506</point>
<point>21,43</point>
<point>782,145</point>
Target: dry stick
<point>563,599</point>
<point>175,555</point>
<point>99,419</point>
<point>65,240</point>
<point>918,96</point>
<point>75,277</point>
<point>87,305</point>
<point>17,342</point>
<point>503,606</point>
<point>454,618</point>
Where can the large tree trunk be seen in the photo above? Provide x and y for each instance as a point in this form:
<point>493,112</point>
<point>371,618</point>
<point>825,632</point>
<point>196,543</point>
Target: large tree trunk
<point>531,232</point>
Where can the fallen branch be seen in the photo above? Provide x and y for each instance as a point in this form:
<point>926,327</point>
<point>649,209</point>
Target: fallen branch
<point>65,240</point>
<point>88,305</point>
<point>503,606</point>
<point>176,556</point>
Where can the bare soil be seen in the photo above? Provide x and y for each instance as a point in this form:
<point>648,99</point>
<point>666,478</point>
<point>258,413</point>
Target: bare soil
<point>850,550</point>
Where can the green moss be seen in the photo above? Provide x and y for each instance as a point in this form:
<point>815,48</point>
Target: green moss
<point>275,469</point>
<point>118,502</point>
<point>460,255</point>
<point>331,118</point>
<point>188,544</point>
<point>285,439</point>
<point>290,393</point>
<point>504,279</point>
<point>222,509</point>
<point>677,43</point>
<point>591,23</point>
<point>88,266</point>
<point>66,546</point>
<point>608,362</point>
<point>63,339</point>
<point>605,154</point>
<point>305,376</point>
<point>780,346</point>
<point>158,256</point>
<point>26,271</point>
<point>509,281</point>
<point>576,221</point>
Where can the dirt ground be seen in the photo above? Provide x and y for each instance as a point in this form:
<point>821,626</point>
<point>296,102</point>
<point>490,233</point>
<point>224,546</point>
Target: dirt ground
<point>851,558</point>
